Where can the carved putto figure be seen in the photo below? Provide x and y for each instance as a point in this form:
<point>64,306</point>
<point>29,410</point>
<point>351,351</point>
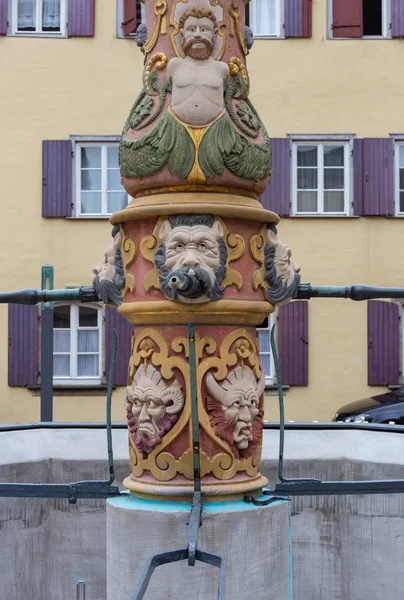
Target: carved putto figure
<point>152,407</point>
<point>109,277</point>
<point>193,121</point>
<point>192,258</point>
<point>281,273</point>
<point>234,409</point>
<point>198,80</point>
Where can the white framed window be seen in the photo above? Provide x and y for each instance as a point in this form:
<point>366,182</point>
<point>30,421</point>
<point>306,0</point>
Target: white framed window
<point>399,178</point>
<point>77,344</point>
<point>267,361</point>
<point>372,22</point>
<point>321,178</point>
<point>98,189</point>
<point>266,18</point>
<point>43,17</point>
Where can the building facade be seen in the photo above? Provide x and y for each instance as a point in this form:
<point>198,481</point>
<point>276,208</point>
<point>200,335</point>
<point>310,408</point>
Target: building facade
<point>326,82</point>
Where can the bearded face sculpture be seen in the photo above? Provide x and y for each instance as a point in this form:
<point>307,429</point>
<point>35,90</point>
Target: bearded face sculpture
<point>281,273</point>
<point>234,409</point>
<point>152,407</point>
<point>192,258</point>
<point>198,30</point>
<point>109,277</point>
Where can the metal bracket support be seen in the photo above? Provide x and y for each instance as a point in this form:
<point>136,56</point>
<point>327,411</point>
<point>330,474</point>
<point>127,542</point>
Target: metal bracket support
<point>191,552</point>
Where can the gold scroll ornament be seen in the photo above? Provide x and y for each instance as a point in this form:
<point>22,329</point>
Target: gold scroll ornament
<point>128,251</point>
<point>160,10</point>
<point>235,249</point>
<point>238,348</point>
<point>257,247</point>
<point>158,60</point>
<point>234,13</point>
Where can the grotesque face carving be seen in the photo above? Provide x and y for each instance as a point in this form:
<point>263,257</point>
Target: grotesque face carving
<point>198,30</point>
<point>109,276</point>
<point>192,258</point>
<point>234,409</point>
<point>281,273</point>
<point>152,407</point>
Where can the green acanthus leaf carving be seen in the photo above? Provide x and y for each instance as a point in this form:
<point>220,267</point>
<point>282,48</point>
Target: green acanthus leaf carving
<point>237,87</point>
<point>248,116</point>
<point>223,146</point>
<point>141,111</point>
<point>153,83</point>
<point>168,144</point>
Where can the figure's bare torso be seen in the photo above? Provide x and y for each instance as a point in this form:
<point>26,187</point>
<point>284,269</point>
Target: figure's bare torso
<point>197,89</point>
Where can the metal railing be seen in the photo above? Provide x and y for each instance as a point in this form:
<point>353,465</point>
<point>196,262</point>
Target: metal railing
<point>104,489</point>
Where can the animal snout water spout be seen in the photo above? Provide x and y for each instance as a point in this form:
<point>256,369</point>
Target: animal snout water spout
<point>183,282</point>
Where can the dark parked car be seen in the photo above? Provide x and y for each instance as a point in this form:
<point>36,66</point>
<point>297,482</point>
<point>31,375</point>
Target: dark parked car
<point>383,408</point>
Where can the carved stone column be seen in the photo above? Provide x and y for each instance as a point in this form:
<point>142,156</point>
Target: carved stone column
<point>196,246</point>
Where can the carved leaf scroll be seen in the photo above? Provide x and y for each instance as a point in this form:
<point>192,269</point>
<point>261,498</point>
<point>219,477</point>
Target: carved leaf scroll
<point>128,251</point>
<point>257,246</point>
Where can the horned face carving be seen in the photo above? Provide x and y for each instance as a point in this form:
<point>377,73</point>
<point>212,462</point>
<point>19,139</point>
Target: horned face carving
<point>152,407</point>
<point>234,409</point>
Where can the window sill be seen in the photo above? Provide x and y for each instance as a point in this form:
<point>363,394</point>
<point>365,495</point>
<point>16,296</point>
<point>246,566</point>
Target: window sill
<point>269,37</point>
<point>90,218</point>
<point>38,35</point>
<point>271,389</point>
<point>74,390</point>
<point>360,39</point>
<point>325,216</point>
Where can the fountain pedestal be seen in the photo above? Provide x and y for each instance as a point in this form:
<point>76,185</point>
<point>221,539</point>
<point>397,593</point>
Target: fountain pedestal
<point>254,540</point>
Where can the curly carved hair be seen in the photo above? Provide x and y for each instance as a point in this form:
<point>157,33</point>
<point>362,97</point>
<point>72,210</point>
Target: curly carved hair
<point>199,12</point>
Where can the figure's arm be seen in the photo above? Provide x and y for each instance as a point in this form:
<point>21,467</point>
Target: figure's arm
<point>171,67</point>
<point>225,70</point>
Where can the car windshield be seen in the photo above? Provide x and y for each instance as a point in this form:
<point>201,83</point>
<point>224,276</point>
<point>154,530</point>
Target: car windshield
<point>393,396</point>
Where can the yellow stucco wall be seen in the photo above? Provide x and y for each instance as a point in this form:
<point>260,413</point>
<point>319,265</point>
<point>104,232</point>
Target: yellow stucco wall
<point>51,88</point>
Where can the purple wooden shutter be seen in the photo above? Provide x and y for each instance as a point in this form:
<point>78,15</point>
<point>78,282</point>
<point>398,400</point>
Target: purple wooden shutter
<point>347,19</point>
<point>358,177</point>
<point>277,195</point>
<point>56,178</point>
<point>378,176</point>
<point>113,320</point>
<point>81,18</point>
<point>293,339</point>
<point>3,17</point>
<point>383,343</point>
<point>23,331</point>
<point>298,20</point>
<point>397,18</point>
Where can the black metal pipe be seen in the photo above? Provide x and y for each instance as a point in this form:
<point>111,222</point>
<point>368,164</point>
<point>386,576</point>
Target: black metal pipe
<point>47,364</point>
<point>33,296</point>
<point>356,292</point>
<point>339,488</point>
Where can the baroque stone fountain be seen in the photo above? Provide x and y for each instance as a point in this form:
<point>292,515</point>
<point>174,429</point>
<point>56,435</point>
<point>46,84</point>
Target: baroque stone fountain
<point>195,245</point>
